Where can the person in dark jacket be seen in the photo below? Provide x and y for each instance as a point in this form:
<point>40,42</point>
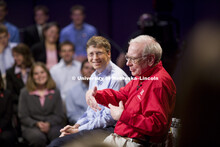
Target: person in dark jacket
<point>7,133</point>
<point>46,51</point>
<point>33,34</point>
<point>16,76</point>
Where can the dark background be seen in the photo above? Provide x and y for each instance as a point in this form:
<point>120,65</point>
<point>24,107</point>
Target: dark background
<point>115,18</point>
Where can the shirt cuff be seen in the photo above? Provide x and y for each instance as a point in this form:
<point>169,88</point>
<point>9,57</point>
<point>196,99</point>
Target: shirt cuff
<point>83,127</point>
<point>81,121</point>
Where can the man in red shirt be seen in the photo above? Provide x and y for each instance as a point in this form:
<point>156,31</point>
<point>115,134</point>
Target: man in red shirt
<point>144,107</point>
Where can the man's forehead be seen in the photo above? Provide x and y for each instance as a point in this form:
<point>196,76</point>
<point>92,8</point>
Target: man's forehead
<point>135,48</point>
<point>95,49</point>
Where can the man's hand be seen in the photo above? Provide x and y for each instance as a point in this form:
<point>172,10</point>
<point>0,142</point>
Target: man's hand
<point>116,111</point>
<point>76,126</point>
<point>90,99</point>
<point>69,130</point>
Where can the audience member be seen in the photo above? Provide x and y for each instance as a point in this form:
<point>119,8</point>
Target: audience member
<point>16,76</point>
<point>46,51</point>
<point>78,32</point>
<point>144,107</point>
<point>63,72</point>
<point>75,101</point>
<point>40,107</point>
<point>34,33</point>
<point>7,133</point>
<point>6,58</point>
<point>91,122</point>
<point>12,30</point>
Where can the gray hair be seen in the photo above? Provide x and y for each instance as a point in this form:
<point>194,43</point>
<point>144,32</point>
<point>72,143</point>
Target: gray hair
<point>151,46</point>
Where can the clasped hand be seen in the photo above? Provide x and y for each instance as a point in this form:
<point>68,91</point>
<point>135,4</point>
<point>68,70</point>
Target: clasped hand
<point>69,130</point>
<point>43,126</point>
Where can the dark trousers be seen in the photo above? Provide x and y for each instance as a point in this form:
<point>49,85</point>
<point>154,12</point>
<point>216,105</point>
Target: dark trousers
<point>36,138</point>
<point>8,138</point>
<point>97,135</point>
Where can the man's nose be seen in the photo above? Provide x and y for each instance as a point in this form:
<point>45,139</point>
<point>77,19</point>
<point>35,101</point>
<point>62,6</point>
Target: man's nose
<point>128,63</point>
<point>95,56</point>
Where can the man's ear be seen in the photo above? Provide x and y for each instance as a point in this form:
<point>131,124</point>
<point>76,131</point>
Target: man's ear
<point>109,54</point>
<point>151,60</point>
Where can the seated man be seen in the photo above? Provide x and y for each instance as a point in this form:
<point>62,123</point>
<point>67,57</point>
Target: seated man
<point>75,101</point>
<point>99,56</point>
<point>63,72</point>
<point>6,58</point>
<point>144,107</point>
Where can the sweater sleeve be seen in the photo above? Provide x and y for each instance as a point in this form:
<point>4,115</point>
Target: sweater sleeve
<point>23,111</point>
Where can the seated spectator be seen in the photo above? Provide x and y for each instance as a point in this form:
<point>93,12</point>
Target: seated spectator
<point>13,30</point>
<point>75,101</point>
<point>7,133</point>
<point>6,58</point>
<point>34,33</point>
<point>46,51</point>
<point>16,76</point>
<point>40,107</point>
<point>78,32</point>
<point>63,72</point>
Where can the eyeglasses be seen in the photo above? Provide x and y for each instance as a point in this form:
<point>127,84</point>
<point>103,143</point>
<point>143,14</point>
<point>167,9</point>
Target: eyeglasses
<point>95,53</point>
<point>134,60</point>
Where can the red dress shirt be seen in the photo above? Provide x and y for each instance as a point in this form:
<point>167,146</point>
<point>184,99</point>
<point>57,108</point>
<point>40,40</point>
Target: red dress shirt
<point>148,105</point>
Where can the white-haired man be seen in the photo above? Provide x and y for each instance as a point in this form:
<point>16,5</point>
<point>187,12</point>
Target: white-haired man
<point>144,107</point>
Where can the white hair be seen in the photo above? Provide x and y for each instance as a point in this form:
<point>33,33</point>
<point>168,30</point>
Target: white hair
<point>151,46</point>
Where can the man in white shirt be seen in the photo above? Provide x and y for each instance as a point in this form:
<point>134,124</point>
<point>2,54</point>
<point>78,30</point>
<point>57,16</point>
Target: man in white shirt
<point>66,69</point>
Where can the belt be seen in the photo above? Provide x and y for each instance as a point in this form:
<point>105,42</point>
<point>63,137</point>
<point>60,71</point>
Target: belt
<point>139,141</point>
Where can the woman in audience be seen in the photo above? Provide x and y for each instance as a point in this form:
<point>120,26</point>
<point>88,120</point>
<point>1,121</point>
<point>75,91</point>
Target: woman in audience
<point>47,50</point>
<point>16,76</point>
<point>7,133</point>
<point>40,107</point>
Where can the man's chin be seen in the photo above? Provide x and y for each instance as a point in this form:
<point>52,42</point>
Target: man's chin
<point>134,74</point>
<point>96,67</point>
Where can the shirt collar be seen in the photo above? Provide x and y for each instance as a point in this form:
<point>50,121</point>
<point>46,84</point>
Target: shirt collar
<point>18,70</point>
<point>36,92</point>
<point>63,64</point>
<point>106,71</point>
<point>149,72</point>
<point>77,29</point>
